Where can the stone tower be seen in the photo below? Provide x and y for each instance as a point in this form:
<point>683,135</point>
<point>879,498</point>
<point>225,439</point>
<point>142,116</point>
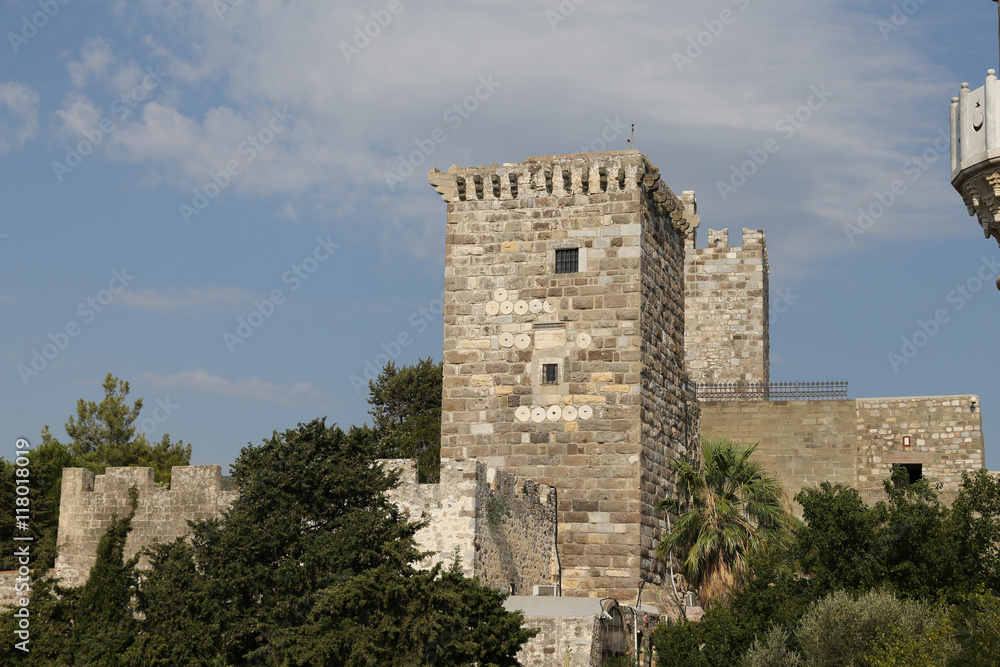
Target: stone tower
<point>726,336</point>
<point>564,348</point>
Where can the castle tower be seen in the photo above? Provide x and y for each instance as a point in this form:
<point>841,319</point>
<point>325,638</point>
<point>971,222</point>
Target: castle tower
<point>564,348</point>
<point>726,334</point>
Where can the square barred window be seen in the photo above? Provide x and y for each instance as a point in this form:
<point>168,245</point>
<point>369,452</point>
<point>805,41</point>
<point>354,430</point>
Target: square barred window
<point>568,261</point>
<point>550,373</point>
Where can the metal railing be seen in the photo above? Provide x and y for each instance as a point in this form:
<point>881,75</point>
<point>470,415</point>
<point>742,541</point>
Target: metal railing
<point>769,391</point>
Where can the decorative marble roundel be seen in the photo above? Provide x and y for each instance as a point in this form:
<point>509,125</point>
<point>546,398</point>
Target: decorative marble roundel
<point>569,413</point>
<point>535,306</point>
<point>583,341</point>
<point>554,413</point>
<point>500,294</point>
<point>506,340</point>
<point>492,308</point>
<point>521,308</point>
<point>507,307</point>
<point>522,341</point>
<point>538,415</point>
<point>523,413</point>
<point>548,306</point>
<point>585,412</point>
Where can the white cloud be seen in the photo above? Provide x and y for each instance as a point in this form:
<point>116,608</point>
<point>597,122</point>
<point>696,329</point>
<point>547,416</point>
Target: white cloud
<point>18,115</point>
<point>353,119</point>
<point>191,301</point>
<point>300,394</point>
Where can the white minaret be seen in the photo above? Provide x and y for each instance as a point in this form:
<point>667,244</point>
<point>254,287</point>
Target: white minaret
<point>975,151</point>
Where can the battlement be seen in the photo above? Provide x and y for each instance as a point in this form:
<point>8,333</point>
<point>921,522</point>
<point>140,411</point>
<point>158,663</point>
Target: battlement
<point>89,501</point>
<point>563,176</point>
<point>726,302</point>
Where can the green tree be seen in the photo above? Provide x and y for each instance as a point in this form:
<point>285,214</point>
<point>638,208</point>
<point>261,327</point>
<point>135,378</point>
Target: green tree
<point>312,565</point>
<point>836,540</point>
<point>104,435</point>
<point>727,508</point>
<point>406,413</point>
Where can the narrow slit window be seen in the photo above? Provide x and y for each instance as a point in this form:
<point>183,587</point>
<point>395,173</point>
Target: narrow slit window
<point>568,261</point>
<point>550,373</point>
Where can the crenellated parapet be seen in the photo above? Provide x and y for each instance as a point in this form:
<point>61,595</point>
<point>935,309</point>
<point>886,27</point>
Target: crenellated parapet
<point>975,152</point>
<point>564,176</point>
<point>88,502</point>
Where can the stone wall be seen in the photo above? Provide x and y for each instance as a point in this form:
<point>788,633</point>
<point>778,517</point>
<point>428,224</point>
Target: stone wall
<point>504,528</point>
<point>88,503</point>
<point>945,438</point>
<point>727,337</point>
<point>803,443</point>
<point>612,330</point>
<point>855,442</point>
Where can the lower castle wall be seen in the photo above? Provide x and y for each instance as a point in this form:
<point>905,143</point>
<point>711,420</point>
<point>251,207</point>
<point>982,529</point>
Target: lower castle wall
<point>503,527</point>
<point>855,442</point>
<point>803,443</point>
<point>946,439</point>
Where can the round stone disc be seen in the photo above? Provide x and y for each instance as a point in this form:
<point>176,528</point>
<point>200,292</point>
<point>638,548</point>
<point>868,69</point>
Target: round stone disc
<point>554,413</point>
<point>507,307</point>
<point>523,413</point>
<point>538,415</point>
<point>506,340</point>
<point>569,413</point>
<point>500,294</point>
<point>585,412</point>
<point>522,341</point>
<point>492,308</point>
<point>548,306</point>
<point>583,341</point>
<point>521,308</point>
<point>535,306</point>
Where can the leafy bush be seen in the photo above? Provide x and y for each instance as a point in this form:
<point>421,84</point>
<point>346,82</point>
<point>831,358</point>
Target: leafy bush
<point>874,630</point>
<point>772,651</point>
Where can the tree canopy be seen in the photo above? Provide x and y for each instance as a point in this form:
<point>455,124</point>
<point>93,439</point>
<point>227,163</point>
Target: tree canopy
<point>311,565</point>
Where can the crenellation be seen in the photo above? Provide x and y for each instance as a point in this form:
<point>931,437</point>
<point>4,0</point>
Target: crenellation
<point>88,502</point>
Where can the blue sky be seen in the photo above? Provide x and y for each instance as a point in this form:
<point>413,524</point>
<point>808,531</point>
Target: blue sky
<point>173,168</point>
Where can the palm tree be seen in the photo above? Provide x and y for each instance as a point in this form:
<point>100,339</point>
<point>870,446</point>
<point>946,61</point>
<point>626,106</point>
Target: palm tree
<point>725,509</point>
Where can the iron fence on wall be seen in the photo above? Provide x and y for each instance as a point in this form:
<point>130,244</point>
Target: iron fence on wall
<point>769,391</point>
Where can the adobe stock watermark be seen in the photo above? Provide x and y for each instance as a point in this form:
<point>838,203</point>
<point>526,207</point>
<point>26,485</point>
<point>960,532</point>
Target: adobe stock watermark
<point>121,109</point>
<point>161,413</point>
<point>900,16</point>
<point>22,544</point>
<point>223,7</point>
<point>294,277</point>
<point>37,21</point>
<point>697,44</point>
<point>913,170</point>
<point>419,322</point>
<point>87,311</point>
<point>957,298</point>
<point>788,125</point>
<point>247,151</point>
<point>366,32</point>
<point>613,129</point>
<point>784,302</point>
<point>454,116</point>
<point>565,9</point>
